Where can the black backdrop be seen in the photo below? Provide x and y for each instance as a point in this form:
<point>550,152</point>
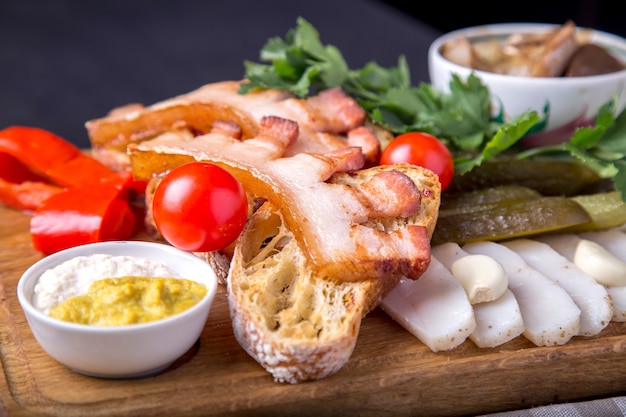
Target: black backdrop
<point>606,15</point>
<point>63,62</point>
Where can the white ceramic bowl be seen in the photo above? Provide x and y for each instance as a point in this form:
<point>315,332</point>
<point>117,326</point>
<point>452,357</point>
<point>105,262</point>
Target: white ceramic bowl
<point>129,351</point>
<point>572,101</point>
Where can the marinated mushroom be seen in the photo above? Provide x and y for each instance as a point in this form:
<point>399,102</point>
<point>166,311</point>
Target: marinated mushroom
<point>591,59</point>
<point>563,51</point>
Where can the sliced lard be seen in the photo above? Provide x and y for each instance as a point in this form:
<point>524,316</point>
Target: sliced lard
<point>434,308</point>
<point>591,297</point>
<point>550,315</point>
<point>618,296</point>
<point>566,244</point>
<point>498,321</point>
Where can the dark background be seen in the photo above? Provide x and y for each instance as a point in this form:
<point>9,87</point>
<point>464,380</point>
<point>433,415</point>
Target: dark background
<point>599,14</point>
<point>63,62</point>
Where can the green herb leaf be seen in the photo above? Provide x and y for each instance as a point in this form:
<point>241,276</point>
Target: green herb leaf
<point>620,178</point>
<point>462,119</point>
<point>507,136</point>
<point>614,139</point>
<point>300,64</point>
<point>602,147</point>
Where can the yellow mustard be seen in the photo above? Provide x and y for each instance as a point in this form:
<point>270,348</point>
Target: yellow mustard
<point>130,300</point>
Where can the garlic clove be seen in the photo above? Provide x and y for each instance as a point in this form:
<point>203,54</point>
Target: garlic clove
<point>483,277</point>
<point>601,264</point>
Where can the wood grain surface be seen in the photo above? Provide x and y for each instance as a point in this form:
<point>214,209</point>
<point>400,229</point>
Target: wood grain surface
<point>390,372</point>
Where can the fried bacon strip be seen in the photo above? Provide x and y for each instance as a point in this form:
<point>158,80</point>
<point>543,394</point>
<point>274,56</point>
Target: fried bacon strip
<point>328,121</point>
<point>331,218</point>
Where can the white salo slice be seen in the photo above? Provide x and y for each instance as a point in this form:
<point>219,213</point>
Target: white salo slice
<point>550,315</point>
<point>434,308</point>
<point>497,321</point>
<point>590,296</point>
<point>566,245</point>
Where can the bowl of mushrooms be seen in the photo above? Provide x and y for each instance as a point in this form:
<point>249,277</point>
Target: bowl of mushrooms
<point>564,72</point>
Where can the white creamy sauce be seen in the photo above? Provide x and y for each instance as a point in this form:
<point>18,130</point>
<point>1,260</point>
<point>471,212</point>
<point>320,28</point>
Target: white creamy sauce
<point>73,277</point>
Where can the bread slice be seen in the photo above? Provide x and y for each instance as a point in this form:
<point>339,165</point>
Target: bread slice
<point>298,325</point>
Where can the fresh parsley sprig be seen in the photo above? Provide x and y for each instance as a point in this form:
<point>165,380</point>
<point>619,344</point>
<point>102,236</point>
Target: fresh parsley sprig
<point>462,118</point>
<point>303,65</point>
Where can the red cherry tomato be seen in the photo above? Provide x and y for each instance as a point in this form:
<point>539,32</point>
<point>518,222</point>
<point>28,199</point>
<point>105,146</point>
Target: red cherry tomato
<point>200,207</point>
<point>421,149</point>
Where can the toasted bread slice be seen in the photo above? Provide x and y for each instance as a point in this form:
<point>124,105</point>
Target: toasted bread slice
<point>298,325</point>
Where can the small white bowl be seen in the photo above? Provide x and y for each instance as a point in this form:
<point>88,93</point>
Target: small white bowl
<point>129,351</point>
<point>572,101</point>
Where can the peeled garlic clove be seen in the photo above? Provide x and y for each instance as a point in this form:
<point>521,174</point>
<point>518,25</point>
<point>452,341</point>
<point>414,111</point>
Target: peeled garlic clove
<point>613,240</point>
<point>498,321</point>
<point>483,278</point>
<point>596,261</point>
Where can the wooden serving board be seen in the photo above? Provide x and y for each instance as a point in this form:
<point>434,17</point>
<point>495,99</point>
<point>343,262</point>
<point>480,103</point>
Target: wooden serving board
<point>390,372</point>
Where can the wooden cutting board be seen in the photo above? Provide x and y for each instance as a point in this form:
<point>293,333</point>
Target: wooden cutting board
<point>390,372</point>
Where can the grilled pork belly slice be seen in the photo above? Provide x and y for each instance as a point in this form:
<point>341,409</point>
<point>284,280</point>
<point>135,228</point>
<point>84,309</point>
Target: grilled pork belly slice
<point>328,121</point>
<point>330,241</point>
<point>329,217</point>
<point>149,163</point>
<point>196,110</point>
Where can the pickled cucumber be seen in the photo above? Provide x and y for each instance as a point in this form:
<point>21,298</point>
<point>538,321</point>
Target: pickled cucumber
<point>607,210</point>
<point>499,194</point>
<point>505,221</point>
<point>550,177</point>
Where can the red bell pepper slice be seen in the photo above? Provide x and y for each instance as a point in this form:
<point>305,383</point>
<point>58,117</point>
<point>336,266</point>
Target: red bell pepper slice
<point>77,216</point>
<point>52,157</point>
<point>14,171</point>
<point>26,195</point>
<point>20,187</point>
<point>75,198</point>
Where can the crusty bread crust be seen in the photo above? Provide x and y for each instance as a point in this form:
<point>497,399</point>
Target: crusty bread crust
<point>298,326</point>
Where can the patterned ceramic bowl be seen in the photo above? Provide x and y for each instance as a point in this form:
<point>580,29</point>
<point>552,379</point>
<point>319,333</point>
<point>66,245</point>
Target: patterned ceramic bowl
<point>565,103</point>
